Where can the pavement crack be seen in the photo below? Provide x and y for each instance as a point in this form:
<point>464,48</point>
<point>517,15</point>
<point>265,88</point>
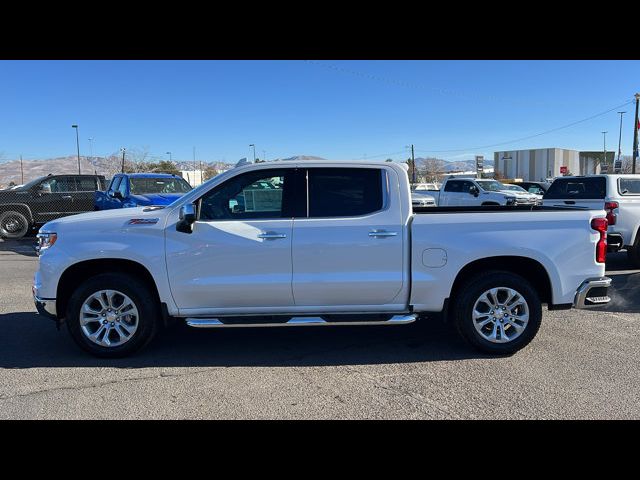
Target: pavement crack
<point>103,384</point>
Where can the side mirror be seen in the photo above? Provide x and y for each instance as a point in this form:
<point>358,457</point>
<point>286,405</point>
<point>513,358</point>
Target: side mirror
<point>186,217</point>
<point>474,191</point>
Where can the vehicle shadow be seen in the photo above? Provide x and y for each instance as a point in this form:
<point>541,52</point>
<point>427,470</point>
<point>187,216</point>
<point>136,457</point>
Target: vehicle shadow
<point>625,285</point>
<point>28,340</point>
<point>23,246</point>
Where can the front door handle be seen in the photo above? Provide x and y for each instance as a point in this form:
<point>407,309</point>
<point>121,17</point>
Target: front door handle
<point>570,202</point>
<point>68,197</point>
<point>272,235</point>
<point>382,233</point>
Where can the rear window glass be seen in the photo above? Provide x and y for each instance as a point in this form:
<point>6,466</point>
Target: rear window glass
<point>629,186</point>
<point>577,188</point>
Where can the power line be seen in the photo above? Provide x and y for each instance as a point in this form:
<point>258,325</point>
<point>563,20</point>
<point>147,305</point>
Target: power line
<point>530,136</point>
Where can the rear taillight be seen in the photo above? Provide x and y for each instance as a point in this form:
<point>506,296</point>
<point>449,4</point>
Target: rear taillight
<point>609,207</point>
<point>600,226</point>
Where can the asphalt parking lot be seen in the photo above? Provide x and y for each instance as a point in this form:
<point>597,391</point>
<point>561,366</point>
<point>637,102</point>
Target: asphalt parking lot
<point>582,365</point>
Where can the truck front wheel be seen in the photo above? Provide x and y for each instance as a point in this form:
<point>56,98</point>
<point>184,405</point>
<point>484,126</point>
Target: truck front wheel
<point>497,312</point>
<point>112,315</point>
<point>13,224</point>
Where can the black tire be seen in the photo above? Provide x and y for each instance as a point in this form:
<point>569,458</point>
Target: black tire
<point>145,301</point>
<point>472,290</point>
<point>13,224</point>
<point>633,255</point>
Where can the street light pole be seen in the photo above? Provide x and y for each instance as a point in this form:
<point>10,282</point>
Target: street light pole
<point>123,150</point>
<point>169,153</point>
<point>254,152</point>
<point>635,135</point>
<point>77,145</point>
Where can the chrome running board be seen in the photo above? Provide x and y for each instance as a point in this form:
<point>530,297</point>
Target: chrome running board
<point>296,321</point>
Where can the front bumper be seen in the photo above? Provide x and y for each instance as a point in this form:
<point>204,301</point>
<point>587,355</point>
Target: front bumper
<point>593,293</point>
<point>45,306</point>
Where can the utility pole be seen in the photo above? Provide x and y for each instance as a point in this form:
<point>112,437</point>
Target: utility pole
<point>21,171</point>
<point>77,145</point>
<point>90,148</point>
<point>413,165</point>
<point>195,166</point>
<point>635,135</point>
<point>254,151</point>
<point>123,150</point>
<point>604,148</point>
<point>620,136</point>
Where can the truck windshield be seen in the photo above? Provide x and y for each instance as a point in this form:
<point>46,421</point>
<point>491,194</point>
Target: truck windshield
<point>140,186</point>
<point>491,185</point>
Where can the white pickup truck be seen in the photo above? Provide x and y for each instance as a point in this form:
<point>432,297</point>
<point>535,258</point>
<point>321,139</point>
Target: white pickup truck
<point>618,195</point>
<point>333,243</point>
<point>462,191</point>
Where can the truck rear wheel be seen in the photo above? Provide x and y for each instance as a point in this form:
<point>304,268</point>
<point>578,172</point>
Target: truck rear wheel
<point>497,312</point>
<point>13,224</point>
<point>112,315</point>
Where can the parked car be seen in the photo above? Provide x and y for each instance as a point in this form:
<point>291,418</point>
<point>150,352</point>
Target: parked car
<point>618,195</point>
<point>537,188</point>
<point>422,200</point>
<point>27,207</point>
<point>339,245</point>
<point>467,191</point>
<point>419,187</point>
<point>141,189</point>
<point>537,199</point>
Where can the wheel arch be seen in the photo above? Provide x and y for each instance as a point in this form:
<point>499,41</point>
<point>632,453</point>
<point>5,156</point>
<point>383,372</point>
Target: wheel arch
<point>77,273</point>
<point>22,208</point>
<point>529,269</point>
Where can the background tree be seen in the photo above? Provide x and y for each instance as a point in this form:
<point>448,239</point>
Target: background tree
<point>431,169</point>
<point>209,172</point>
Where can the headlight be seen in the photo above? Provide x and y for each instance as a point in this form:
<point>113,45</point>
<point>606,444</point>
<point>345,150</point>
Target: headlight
<point>46,240</point>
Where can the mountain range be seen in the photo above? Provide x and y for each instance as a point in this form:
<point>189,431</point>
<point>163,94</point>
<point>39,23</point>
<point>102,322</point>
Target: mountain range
<point>10,171</point>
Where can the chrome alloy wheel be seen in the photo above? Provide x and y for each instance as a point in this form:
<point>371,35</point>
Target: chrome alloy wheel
<point>108,318</point>
<point>500,315</point>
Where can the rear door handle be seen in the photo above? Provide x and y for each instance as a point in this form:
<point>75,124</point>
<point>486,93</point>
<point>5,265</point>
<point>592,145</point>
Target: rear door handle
<point>382,233</point>
<point>69,197</point>
<point>570,202</point>
<point>272,235</point>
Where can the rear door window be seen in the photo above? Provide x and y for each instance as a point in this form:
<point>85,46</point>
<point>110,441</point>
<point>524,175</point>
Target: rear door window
<point>577,188</point>
<point>453,186</point>
<point>86,184</point>
<point>344,192</point>
<point>629,186</point>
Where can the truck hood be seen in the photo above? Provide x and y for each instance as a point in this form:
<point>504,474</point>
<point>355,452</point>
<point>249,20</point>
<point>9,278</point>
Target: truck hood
<point>117,219</point>
<point>156,198</point>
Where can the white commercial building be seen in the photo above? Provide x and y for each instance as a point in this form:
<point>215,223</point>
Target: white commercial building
<point>194,177</point>
<point>542,163</point>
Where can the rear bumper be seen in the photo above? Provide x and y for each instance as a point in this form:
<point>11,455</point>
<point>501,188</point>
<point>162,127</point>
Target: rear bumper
<point>593,293</point>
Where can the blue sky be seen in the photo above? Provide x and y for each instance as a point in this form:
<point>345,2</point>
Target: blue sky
<point>333,109</point>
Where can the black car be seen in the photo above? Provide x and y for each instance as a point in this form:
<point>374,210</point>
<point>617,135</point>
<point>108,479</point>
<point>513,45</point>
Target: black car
<point>33,204</point>
<point>538,188</point>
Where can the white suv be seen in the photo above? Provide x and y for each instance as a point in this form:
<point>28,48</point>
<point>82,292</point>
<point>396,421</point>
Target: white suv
<point>619,195</point>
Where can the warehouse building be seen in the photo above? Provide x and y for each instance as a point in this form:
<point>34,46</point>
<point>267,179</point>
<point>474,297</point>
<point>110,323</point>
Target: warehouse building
<point>546,163</point>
